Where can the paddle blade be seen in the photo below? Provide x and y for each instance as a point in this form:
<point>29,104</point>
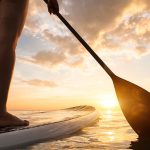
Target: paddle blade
<point>135,104</point>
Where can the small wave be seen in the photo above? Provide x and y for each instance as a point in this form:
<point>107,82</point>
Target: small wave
<point>81,108</point>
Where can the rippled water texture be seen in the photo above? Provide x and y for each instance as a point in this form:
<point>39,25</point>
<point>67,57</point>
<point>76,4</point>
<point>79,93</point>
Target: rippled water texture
<point>110,133</point>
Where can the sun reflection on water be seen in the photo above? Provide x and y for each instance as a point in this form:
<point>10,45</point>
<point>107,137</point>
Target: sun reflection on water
<point>110,135</point>
<point>113,127</point>
<point>108,114</point>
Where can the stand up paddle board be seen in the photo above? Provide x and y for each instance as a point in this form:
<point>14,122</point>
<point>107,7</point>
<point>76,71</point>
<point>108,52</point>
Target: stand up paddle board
<point>49,125</point>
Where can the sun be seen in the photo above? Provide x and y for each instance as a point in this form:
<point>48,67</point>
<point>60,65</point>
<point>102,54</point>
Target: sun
<point>108,103</point>
<point>107,100</point>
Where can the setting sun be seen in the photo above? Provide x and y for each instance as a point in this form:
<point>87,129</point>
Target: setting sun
<point>108,103</point>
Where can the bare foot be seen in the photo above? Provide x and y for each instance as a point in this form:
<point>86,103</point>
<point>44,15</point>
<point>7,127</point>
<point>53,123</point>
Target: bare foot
<point>9,120</point>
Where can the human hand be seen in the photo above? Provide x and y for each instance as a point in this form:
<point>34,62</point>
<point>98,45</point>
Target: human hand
<point>53,6</point>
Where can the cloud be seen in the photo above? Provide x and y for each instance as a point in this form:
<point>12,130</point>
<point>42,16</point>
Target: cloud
<point>75,61</point>
<point>48,57</point>
<point>40,83</point>
<point>147,4</point>
<point>53,32</point>
<point>131,34</point>
<point>51,59</point>
<point>33,21</point>
<point>98,21</point>
<point>91,17</point>
<point>65,43</point>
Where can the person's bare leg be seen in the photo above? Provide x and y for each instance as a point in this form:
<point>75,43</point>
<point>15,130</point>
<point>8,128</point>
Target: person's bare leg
<point>12,17</point>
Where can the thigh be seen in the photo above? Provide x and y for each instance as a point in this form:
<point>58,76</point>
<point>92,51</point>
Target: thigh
<point>12,18</point>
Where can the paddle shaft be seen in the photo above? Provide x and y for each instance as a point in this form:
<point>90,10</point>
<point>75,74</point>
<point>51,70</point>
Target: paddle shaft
<point>88,48</point>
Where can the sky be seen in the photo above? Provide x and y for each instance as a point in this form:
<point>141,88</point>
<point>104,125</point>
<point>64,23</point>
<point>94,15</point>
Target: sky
<point>54,71</point>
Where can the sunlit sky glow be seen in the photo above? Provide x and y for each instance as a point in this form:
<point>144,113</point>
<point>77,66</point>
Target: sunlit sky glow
<point>54,71</point>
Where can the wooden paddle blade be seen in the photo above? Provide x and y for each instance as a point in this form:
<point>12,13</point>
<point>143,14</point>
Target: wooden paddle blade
<point>135,104</point>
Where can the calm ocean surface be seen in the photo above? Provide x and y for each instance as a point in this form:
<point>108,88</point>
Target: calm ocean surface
<point>112,132</point>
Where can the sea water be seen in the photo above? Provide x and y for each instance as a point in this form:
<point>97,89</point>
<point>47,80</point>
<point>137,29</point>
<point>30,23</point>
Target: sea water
<point>111,132</point>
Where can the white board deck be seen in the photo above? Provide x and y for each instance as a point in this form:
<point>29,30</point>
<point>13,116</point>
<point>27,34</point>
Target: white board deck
<point>62,123</point>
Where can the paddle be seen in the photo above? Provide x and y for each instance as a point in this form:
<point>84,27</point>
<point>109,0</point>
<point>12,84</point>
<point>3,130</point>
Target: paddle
<point>134,100</point>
